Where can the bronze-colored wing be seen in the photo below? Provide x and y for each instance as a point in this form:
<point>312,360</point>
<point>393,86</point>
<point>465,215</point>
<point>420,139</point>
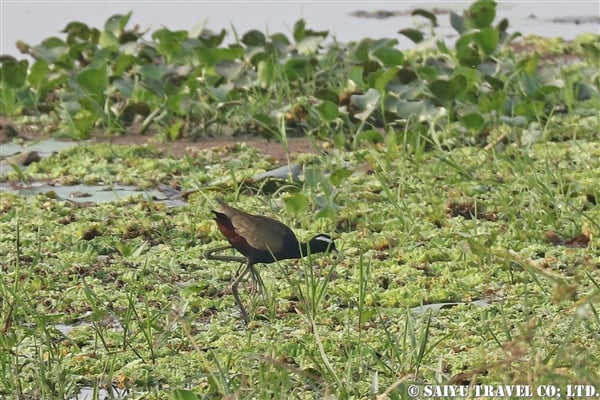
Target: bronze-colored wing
<point>262,233</point>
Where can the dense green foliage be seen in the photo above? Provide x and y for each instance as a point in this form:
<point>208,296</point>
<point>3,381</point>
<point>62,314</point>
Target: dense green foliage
<point>190,83</point>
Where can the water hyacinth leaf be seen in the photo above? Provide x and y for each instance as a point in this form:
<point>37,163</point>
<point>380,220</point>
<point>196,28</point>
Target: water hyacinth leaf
<point>468,56</point>
<point>309,45</point>
<point>116,23</point>
<point>122,63</point>
<point>427,73</point>
<point>170,43</point>
<point>254,38</point>
<point>473,121</point>
<point>328,111</point>
<point>229,69</point>
<point>297,203</point>
<point>78,31</point>
<point>356,76</point>
<point>298,68</point>
<point>266,72</point>
<point>488,39</point>
<point>415,110</point>
<point>407,75</point>
<point>583,91</point>
<point>481,14</point>
<point>51,50</point>
<point>426,14</point>
<point>457,22</point>
<point>367,101</point>
<point>491,101</point>
<point>413,34</point>
<point>93,80</point>
<point>448,90</point>
<point>155,86</point>
<point>495,83</point>
<point>299,30</point>
<point>13,73</point>
<point>502,26</point>
<point>327,95</point>
<point>222,91</point>
<point>280,40</point>
<point>369,136</point>
<point>339,175</point>
<point>151,71</point>
<point>38,74</point>
<point>388,56</point>
<point>361,50</point>
<point>382,81</point>
<point>390,103</point>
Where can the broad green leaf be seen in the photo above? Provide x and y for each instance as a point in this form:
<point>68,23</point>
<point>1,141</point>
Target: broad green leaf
<point>356,75</point>
<point>488,39</point>
<point>382,81</point>
<point>448,90</point>
<point>481,14</point>
<point>366,101</point>
<point>457,22</point>
<point>38,73</point>
<point>266,72</point>
<point>473,121</point>
<point>229,69</point>
<point>93,80</point>
<point>170,43</point>
<point>116,24</point>
<point>426,14</point>
<point>299,30</point>
<point>51,50</point>
<point>427,73</point>
<point>491,101</point>
<point>309,45</point>
<point>298,68</point>
<point>388,56</point>
<point>328,111</point>
<point>413,34</point>
<point>254,38</point>
<point>222,91</point>
<point>13,73</point>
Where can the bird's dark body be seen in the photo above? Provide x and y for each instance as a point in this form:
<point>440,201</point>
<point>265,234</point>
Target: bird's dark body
<point>263,240</point>
<point>275,242</point>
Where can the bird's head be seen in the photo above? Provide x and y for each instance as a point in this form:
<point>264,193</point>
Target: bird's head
<point>321,243</point>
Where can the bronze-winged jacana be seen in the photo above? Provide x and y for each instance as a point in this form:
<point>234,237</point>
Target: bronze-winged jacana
<point>262,240</point>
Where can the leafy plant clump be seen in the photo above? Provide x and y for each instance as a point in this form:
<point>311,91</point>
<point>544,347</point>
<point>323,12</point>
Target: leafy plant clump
<point>189,83</point>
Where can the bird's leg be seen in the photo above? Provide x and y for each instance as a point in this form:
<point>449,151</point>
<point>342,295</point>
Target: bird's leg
<point>257,280</point>
<point>236,296</point>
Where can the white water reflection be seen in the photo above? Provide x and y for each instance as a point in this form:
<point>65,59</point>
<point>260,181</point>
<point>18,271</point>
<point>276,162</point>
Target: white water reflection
<point>33,22</point>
